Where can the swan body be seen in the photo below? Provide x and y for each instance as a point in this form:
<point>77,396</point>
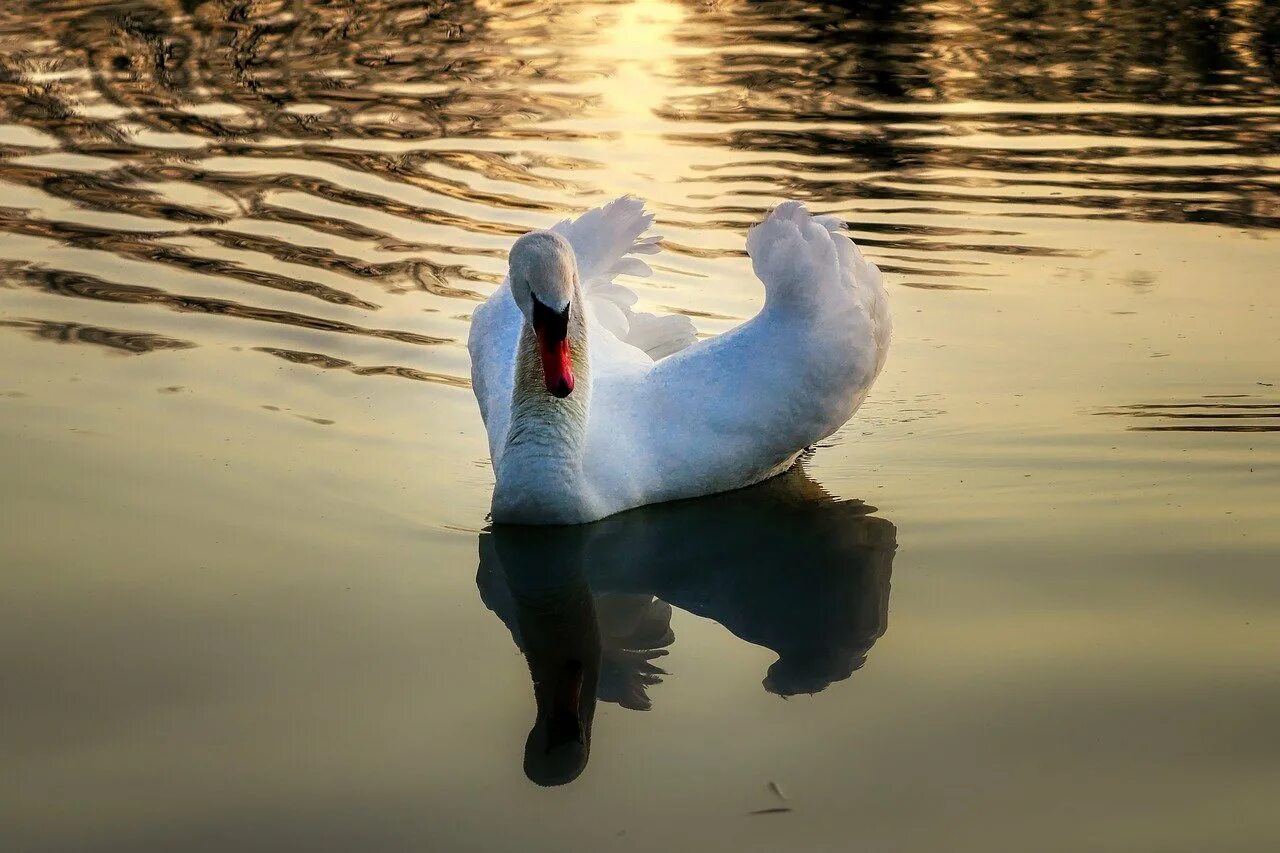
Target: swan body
<point>592,408</point>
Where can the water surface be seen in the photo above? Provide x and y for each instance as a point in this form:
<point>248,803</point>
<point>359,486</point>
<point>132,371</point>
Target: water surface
<point>1026,599</point>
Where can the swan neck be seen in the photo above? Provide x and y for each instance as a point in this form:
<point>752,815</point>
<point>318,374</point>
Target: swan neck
<point>540,478</point>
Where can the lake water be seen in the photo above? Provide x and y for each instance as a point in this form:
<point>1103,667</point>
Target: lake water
<point>1028,599</point>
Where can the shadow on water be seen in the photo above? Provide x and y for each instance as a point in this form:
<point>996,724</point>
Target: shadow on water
<point>781,565</point>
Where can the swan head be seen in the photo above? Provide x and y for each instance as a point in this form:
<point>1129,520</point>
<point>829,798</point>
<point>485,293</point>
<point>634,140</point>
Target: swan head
<point>544,277</point>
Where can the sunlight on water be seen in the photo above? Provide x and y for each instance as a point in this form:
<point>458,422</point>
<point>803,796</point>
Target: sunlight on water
<point>251,600</point>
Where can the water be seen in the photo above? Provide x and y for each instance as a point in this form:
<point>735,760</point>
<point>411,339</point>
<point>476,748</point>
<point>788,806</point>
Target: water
<point>249,602</point>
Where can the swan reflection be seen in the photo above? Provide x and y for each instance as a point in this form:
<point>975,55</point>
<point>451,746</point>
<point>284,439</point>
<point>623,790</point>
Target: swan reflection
<point>781,565</point>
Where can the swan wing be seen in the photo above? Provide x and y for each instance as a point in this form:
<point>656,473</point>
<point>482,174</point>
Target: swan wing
<point>607,242</point>
<point>735,409</point>
<point>809,264</point>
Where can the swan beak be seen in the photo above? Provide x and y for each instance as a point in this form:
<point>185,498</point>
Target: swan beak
<point>552,330</point>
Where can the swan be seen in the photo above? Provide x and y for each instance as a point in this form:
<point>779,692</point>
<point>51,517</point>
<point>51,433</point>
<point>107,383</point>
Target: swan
<point>592,408</point>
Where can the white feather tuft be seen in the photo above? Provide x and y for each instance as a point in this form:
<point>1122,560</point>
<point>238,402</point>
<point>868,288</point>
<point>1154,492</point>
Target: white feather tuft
<point>606,241</point>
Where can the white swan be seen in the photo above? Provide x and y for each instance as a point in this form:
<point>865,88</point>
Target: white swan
<point>585,415</point>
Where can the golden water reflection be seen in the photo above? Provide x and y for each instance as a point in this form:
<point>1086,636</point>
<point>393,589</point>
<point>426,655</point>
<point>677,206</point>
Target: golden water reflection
<point>238,545</point>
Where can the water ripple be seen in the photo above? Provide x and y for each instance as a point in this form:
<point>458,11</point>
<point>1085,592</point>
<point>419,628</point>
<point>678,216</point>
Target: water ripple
<point>1217,416</point>
<point>328,362</point>
<point>90,287</point>
<point>307,164</point>
<point>118,340</point>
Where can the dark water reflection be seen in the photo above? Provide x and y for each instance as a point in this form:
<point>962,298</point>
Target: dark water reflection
<point>781,565</point>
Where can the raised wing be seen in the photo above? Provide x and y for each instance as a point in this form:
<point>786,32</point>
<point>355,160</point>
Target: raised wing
<point>606,241</point>
<point>807,261</point>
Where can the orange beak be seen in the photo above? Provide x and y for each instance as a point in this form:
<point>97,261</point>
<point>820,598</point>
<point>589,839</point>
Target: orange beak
<point>552,329</point>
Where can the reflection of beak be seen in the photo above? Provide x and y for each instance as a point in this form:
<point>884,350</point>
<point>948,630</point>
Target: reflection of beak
<point>552,329</point>
<point>565,720</point>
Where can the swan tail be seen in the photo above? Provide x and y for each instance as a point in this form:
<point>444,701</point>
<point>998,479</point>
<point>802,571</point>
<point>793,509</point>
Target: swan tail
<point>606,242</point>
<point>807,260</point>
<point>866,281</point>
<point>794,254</point>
